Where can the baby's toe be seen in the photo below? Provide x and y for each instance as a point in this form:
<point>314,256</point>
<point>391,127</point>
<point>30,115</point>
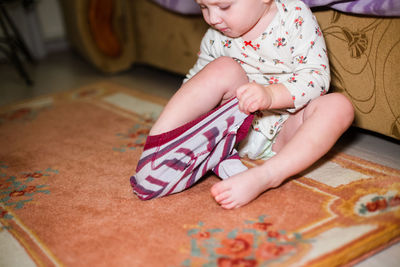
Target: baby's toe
<point>225,195</point>
<point>231,205</point>
<point>219,188</point>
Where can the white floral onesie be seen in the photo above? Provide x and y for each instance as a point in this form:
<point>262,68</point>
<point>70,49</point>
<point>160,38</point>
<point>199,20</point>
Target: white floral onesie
<point>291,51</point>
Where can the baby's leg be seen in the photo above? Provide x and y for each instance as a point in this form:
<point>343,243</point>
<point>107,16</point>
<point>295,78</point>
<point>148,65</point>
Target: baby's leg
<point>175,160</point>
<point>305,137</point>
<point>213,85</point>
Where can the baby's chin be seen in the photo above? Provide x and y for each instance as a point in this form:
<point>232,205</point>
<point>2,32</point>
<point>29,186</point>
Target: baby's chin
<point>230,34</point>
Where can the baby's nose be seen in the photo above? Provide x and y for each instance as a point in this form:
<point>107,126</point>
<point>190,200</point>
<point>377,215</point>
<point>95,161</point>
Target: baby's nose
<point>215,18</point>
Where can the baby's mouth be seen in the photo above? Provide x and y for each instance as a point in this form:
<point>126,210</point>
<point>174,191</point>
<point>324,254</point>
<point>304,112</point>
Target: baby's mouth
<point>223,30</point>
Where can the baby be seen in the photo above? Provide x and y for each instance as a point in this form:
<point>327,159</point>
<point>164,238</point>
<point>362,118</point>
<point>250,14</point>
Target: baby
<point>262,76</point>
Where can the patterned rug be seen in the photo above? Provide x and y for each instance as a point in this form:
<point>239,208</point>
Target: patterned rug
<point>65,197</point>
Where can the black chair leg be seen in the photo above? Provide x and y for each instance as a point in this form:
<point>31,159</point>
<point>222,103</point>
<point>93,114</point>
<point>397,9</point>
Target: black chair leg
<point>15,60</point>
<point>17,36</point>
<point>14,44</point>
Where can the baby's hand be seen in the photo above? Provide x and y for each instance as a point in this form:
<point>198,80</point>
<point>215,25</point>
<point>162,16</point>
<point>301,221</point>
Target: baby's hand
<point>253,97</point>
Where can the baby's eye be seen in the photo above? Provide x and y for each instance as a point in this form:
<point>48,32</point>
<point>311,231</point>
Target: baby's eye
<point>224,7</point>
<point>202,6</point>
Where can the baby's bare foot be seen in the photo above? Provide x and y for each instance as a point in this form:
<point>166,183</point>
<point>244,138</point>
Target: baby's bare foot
<point>240,189</point>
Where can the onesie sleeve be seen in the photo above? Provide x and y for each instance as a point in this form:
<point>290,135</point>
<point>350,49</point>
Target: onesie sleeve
<point>311,74</point>
<point>208,52</point>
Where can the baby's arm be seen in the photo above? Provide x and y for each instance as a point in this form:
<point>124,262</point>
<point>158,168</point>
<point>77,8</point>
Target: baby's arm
<point>311,75</point>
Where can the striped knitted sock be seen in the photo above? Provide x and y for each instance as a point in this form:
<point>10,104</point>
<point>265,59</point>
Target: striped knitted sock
<point>173,161</point>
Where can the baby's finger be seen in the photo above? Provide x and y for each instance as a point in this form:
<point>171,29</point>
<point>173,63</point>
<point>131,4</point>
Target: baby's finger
<point>240,91</point>
<point>252,107</point>
<point>242,101</point>
<point>244,105</point>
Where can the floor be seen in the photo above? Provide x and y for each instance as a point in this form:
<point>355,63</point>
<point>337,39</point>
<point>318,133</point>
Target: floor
<point>65,70</point>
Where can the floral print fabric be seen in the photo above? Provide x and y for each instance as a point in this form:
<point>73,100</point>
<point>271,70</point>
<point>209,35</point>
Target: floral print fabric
<point>291,51</point>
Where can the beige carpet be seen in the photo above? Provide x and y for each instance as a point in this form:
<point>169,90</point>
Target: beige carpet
<point>65,197</point>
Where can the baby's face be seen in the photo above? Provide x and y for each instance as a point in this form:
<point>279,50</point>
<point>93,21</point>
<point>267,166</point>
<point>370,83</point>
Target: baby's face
<point>233,18</point>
